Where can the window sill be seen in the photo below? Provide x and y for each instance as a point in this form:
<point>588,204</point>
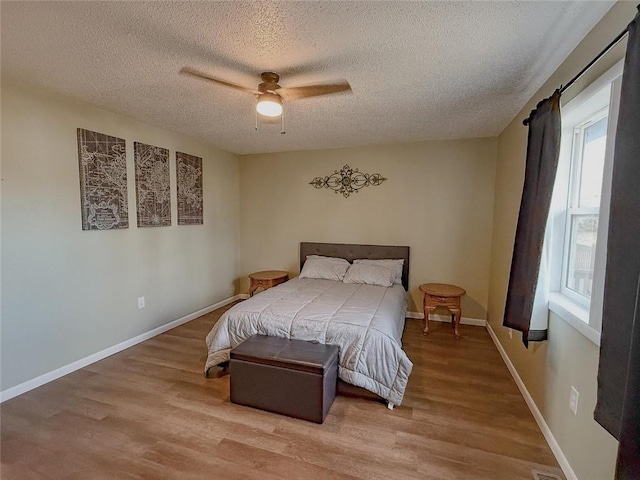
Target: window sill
<point>574,314</point>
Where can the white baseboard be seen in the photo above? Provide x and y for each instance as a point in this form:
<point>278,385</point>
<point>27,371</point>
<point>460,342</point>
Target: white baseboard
<point>107,352</point>
<point>546,431</point>
<point>436,317</point>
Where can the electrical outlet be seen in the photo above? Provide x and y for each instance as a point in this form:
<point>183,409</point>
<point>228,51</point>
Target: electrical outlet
<point>573,400</point>
<point>140,302</point>
<point>510,334</point>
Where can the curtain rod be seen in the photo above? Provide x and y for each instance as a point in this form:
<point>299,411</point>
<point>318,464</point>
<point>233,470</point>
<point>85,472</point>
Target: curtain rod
<point>613,43</point>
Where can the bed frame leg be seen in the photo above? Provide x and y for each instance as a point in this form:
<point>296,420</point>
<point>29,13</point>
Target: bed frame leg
<point>390,405</point>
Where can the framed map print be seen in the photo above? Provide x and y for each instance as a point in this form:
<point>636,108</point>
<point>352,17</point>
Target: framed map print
<point>189,172</point>
<point>103,181</point>
<point>153,192</point>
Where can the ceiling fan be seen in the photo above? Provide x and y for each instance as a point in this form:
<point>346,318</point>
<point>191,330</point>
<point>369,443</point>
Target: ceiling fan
<point>270,95</point>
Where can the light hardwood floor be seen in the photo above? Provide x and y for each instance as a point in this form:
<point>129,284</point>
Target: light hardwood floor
<point>149,413</point>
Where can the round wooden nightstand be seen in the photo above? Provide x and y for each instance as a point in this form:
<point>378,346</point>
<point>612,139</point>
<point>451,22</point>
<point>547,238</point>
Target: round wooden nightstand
<point>442,295</point>
<point>266,279</point>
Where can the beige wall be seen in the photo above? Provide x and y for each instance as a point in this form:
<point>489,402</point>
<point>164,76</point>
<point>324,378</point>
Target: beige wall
<point>549,369</point>
<point>438,199</point>
<point>68,293</point>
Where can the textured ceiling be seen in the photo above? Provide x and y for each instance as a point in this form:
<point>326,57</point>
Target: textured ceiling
<point>419,70</point>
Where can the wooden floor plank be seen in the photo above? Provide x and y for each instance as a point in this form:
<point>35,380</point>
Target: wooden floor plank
<point>149,412</point>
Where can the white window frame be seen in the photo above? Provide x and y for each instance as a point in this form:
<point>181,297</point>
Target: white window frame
<point>573,199</point>
<point>570,306</point>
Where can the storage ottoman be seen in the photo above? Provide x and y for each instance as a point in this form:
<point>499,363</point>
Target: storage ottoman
<point>290,377</point>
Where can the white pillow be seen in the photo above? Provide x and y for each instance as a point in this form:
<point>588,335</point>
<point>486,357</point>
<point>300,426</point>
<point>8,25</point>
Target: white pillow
<point>324,268</point>
<point>369,275</point>
<point>394,264</point>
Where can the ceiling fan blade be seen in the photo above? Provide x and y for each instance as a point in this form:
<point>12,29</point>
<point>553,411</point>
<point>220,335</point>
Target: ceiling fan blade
<point>195,73</point>
<point>295,93</point>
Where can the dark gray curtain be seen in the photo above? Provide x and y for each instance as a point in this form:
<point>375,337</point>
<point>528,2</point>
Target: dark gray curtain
<point>618,407</point>
<point>628,462</point>
<point>543,149</point>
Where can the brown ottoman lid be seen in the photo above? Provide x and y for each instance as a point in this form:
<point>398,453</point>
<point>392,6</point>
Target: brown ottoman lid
<point>287,353</point>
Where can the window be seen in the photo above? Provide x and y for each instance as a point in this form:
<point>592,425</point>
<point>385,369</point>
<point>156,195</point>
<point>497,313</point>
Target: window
<point>578,219</point>
<point>583,209</point>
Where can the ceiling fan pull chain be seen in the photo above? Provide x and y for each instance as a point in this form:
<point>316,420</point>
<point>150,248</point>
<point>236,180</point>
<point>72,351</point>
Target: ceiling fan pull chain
<point>282,132</point>
<point>256,120</point>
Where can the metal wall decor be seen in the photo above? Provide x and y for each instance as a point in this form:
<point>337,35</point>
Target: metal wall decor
<point>347,181</point>
<point>103,181</point>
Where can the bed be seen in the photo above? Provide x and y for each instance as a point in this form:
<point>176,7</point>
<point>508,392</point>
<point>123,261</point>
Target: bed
<point>365,321</point>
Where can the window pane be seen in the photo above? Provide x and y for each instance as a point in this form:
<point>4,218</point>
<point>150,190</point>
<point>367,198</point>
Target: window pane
<point>593,150</point>
<point>582,250</point>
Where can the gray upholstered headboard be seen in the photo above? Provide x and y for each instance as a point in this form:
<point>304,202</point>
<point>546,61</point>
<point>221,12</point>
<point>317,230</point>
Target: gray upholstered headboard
<point>351,252</point>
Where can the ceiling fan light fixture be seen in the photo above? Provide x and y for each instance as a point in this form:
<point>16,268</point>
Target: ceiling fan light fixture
<point>269,105</point>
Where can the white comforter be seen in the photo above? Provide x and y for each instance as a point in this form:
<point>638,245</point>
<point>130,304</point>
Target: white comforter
<point>365,321</point>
